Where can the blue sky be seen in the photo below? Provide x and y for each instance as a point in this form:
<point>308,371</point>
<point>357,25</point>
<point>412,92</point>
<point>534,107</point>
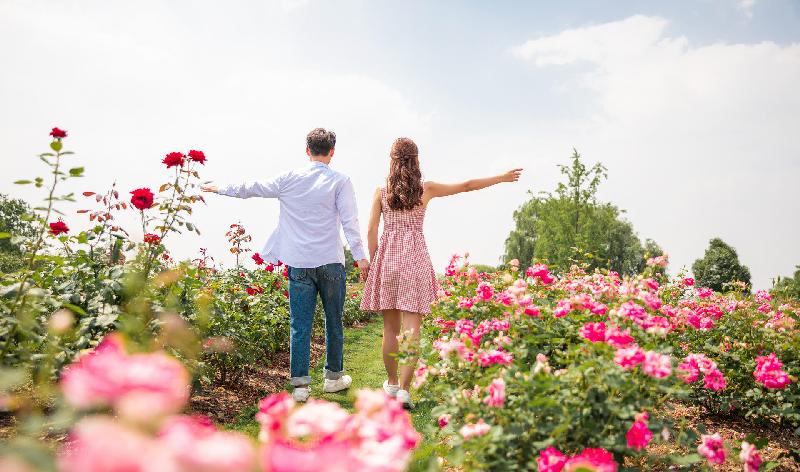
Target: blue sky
<point>692,106</point>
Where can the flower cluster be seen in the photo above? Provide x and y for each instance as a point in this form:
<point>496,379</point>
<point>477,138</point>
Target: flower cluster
<point>769,372</point>
<point>146,391</point>
<point>695,364</point>
<point>590,459</point>
<point>322,436</point>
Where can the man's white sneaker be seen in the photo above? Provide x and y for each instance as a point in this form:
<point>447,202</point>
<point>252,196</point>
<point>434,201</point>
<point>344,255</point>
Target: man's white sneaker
<point>390,389</point>
<point>301,394</point>
<point>336,385</point>
<point>405,397</point>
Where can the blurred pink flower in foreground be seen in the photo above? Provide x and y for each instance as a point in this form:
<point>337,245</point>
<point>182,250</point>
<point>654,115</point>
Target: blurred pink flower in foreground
<point>139,386</point>
<point>589,460</point>
<point>751,459</point>
<point>322,436</point>
<point>100,444</point>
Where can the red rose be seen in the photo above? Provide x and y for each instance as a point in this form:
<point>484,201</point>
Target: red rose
<point>269,268</point>
<point>254,290</point>
<point>285,271</point>
<point>197,156</point>
<point>257,258</point>
<point>142,198</point>
<point>58,227</point>
<point>286,293</point>
<point>58,133</point>
<point>173,159</point>
<point>151,238</point>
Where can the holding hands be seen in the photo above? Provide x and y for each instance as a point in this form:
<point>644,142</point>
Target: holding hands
<point>363,266</point>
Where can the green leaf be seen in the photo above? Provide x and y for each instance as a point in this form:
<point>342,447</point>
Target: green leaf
<point>75,308</point>
<point>5,235</point>
<point>76,172</point>
<point>23,182</point>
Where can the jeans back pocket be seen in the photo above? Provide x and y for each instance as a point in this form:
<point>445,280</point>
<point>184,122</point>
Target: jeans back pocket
<point>297,275</point>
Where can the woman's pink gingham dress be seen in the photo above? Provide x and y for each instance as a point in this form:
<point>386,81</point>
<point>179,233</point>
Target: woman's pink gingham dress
<point>401,275</point>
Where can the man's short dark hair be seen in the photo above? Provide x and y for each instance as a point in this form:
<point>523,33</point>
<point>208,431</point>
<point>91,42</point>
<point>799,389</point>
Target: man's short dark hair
<point>320,141</point>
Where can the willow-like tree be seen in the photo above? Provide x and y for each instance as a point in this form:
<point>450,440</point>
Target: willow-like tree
<point>570,225</point>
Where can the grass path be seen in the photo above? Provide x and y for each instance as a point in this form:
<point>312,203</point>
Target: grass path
<point>364,362</point>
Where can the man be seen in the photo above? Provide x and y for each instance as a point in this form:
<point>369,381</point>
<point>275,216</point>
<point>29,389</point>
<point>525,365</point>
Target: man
<point>315,202</point>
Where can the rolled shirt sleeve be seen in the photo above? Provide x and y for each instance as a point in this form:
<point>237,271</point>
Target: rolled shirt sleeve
<point>348,215</point>
<point>265,189</point>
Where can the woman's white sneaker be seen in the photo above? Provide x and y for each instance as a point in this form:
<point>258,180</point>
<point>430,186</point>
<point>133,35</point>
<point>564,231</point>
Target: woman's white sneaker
<point>405,398</point>
<point>390,389</point>
<point>337,385</point>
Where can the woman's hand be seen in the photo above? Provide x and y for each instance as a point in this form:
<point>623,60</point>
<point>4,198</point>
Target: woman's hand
<point>209,188</point>
<point>511,176</point>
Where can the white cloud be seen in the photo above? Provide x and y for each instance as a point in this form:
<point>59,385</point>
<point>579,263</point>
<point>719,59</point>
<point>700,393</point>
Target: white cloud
<point>687,129</point>
<point>608,42</point>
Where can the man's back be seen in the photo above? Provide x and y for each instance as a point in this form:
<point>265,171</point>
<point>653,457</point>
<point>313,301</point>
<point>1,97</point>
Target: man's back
<point>315,201</point>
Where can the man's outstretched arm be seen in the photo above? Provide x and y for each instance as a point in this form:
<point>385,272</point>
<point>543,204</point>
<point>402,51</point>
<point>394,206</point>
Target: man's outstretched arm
<point>267,189</point>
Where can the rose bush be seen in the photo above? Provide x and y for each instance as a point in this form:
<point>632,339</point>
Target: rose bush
<point>535,368</point>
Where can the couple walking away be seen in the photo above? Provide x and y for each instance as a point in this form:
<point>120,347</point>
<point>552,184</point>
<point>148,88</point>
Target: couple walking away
<point>315,201</point>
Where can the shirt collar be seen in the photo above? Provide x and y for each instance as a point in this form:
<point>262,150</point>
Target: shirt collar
<point>318,164</point>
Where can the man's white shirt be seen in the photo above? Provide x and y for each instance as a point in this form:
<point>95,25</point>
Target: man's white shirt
<point>314,202</point>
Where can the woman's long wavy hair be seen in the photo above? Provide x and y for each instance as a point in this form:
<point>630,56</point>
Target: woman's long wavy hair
<point>404,184</point>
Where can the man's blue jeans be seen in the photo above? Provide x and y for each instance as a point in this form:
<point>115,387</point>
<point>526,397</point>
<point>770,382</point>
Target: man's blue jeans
<point>304,284</point>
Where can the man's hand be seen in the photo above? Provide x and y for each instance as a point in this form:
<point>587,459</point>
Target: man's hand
<point>363,266</point>
<point>209,188</point>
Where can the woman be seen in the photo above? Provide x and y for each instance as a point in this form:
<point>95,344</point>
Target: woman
<point>401,283</point>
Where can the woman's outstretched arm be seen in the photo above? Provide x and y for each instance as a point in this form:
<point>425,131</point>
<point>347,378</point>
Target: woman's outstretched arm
<point>374,221</point>
<point>435,189</point>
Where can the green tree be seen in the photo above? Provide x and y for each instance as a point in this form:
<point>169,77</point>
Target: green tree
<point>719,266</point>
<point>570,225</point>
<point>787,287</point>
<point>15,223</point>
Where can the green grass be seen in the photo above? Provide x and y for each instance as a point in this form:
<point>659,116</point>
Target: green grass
<point>364,362</point>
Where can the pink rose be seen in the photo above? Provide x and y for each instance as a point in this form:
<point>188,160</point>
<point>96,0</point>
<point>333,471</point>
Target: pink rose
<point>657,365</point>
<point>639,435</point>
<point>629,357</point>
<point>496,393</point>
<point>551,460</point>
<point>594,332</point>
<point>471,430</point>
<point>712,449</point>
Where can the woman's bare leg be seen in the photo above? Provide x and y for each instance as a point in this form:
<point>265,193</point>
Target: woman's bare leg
<point>411,322</point>
<point>391,329</point>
